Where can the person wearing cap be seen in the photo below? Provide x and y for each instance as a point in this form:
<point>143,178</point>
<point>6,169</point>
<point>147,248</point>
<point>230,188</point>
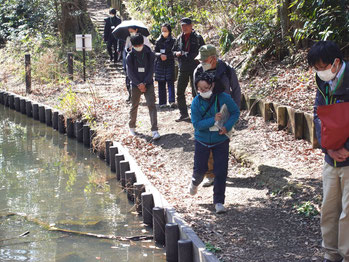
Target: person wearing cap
<point>223,73</point>
<point>186,48</point>
<point>112,43</point>
<point>140,70</point>
<point>205,111</point>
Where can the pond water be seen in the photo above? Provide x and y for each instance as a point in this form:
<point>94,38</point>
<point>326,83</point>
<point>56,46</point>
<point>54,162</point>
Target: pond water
<point>46,180</point>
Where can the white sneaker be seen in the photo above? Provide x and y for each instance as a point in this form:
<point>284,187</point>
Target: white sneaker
<point>192,189</point>
<point>156,135</point>
<point>220,208</point>
<point>208,181</point>
<point>132,131</point>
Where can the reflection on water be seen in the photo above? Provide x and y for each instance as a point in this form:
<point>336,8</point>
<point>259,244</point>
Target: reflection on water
<point>55,180</point>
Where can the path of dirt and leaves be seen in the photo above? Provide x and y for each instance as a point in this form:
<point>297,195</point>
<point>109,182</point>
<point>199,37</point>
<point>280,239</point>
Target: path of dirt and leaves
<point>271,174</point>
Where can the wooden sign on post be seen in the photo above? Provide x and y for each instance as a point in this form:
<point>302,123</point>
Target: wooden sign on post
<point>84,43</point>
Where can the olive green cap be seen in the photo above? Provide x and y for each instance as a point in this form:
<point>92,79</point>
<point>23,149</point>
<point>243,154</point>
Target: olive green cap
<point>205,52</point>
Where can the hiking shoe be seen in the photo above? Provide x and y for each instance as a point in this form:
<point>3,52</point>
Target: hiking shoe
<point>208,181</point>
<point>172,105</point>
<point>220,209</point>
<point>156,135</point>
<point>192,189</point>
<point>163,105</point>
<point>183,118</point>
<point>132,131</point>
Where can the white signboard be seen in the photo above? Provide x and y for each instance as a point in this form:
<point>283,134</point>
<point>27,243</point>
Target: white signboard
<point>88,42</point>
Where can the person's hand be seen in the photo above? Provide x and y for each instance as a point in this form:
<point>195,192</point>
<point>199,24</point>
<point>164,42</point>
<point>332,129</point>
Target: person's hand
<point>178,54</point>
<point>163,57</point>
<point>223,131</point>
<point>218,117</point>
<point>336,155</point>
<point>343,152</point>
<point>142,87</point>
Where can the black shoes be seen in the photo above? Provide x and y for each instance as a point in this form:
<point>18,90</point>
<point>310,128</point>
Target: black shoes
<point>183,118</point>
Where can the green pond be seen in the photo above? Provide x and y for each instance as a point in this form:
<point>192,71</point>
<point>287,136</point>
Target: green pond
<point>49,180</point>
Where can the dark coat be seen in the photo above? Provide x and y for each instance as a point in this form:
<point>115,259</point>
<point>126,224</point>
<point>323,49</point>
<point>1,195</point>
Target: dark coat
<point>110,24</point>
<point>187,61</point>
<point>164,70</point>
<point>226,75</point>
<point>144,59</point>
<point>340,95</point>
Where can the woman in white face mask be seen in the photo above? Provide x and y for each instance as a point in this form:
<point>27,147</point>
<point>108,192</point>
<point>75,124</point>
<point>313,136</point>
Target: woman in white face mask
<point>205,111</point>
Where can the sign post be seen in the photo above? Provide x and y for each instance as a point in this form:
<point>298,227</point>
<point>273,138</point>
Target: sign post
<point>84,43</point>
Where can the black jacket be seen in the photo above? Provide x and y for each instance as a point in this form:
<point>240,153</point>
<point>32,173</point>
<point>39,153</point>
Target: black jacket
<point>145,61</point>
<point>164,70</point>
<point>110,24</point>
<point>187,61</point>
<point>341,95</point>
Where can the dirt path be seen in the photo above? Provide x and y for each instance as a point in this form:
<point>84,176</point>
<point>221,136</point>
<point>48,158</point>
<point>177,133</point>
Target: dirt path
<point>269,173</point>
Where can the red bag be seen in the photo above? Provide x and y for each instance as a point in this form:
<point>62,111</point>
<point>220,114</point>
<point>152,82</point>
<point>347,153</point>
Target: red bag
<point>334,125</point>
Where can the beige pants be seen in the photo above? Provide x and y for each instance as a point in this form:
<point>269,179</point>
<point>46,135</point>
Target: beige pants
<point>335,213</point>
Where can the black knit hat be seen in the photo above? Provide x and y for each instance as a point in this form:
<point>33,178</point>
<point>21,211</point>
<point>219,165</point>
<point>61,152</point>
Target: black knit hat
<point>112,11</point>
<point>137,39</point>
<point>204,76</point>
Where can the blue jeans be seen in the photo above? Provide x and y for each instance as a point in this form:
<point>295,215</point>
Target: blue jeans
<point>162,92</point>
<point>220,154</point>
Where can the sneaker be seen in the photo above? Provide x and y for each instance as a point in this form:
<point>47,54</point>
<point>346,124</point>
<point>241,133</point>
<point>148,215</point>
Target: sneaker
<point>192,189</point>
<point>163,106</point>
<point>208,181</point>
<point>172,105</point>
<point>183,118</point>
<point>128,100</point>
<point>220,208</point>
<point>132,131</point>
<point>156,135</point>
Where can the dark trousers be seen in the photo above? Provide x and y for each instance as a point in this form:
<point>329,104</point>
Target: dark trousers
<point>112,44</point>
<point>220,154</point>
<point>162,92</point>
<point>183,80</point>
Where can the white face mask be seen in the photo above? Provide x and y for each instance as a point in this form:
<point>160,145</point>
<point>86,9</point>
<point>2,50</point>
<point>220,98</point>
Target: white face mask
<point>326,75</point>
<point>138,49</point>
<point>206,95</point>
<point>133,34</point>
<point>165,34</point>
<point>206,66</point>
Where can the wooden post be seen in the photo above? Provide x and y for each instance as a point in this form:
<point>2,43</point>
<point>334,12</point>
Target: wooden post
<point>42,116</point>
<point>117,159</point>
<point>86,135</point>
<point>185,250</point>
<point>28,78</point>
<point>268,111</point>
<point>130,178</point>
<point>113,150</point>
<point>48,116</point>
<point>138,190</point>
<point>71,65</point>
<point>281,117</point>
<point>252,106</point>
<point>159,225</point>
<point>171,240</point>
<point>147,208</point>
<point>23,102</point>
<point>79,134</point>
<point>124,166</point>
<point>29,108</point>
<point>298,120</point>
<point>70,128</point>
<point>108,143</point>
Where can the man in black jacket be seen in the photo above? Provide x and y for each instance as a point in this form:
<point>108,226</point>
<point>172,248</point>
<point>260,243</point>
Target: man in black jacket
<point>186,48</point>
<point>140,70</point>
<point>332,78</point>
<point>110,24</point>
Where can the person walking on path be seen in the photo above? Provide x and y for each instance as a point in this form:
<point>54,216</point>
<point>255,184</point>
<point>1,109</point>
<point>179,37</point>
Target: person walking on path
<point>112,43</point>
<point>127,49</point>
<point>332,78</point>
<point>186,48</point>
<point>140,70</point>
<point>165,66</point>
<point>205,110</point>
<point>226,75</point>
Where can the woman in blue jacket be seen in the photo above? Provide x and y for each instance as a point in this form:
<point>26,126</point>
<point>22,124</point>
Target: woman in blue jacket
<point>205,110</point>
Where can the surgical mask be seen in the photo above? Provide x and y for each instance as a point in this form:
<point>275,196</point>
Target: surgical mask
<point>206,95</point>
<point>206,66</point>
<point>138,49</point>
<point>326,75</point>
<point>133,34</point>
<point>165,34</point>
